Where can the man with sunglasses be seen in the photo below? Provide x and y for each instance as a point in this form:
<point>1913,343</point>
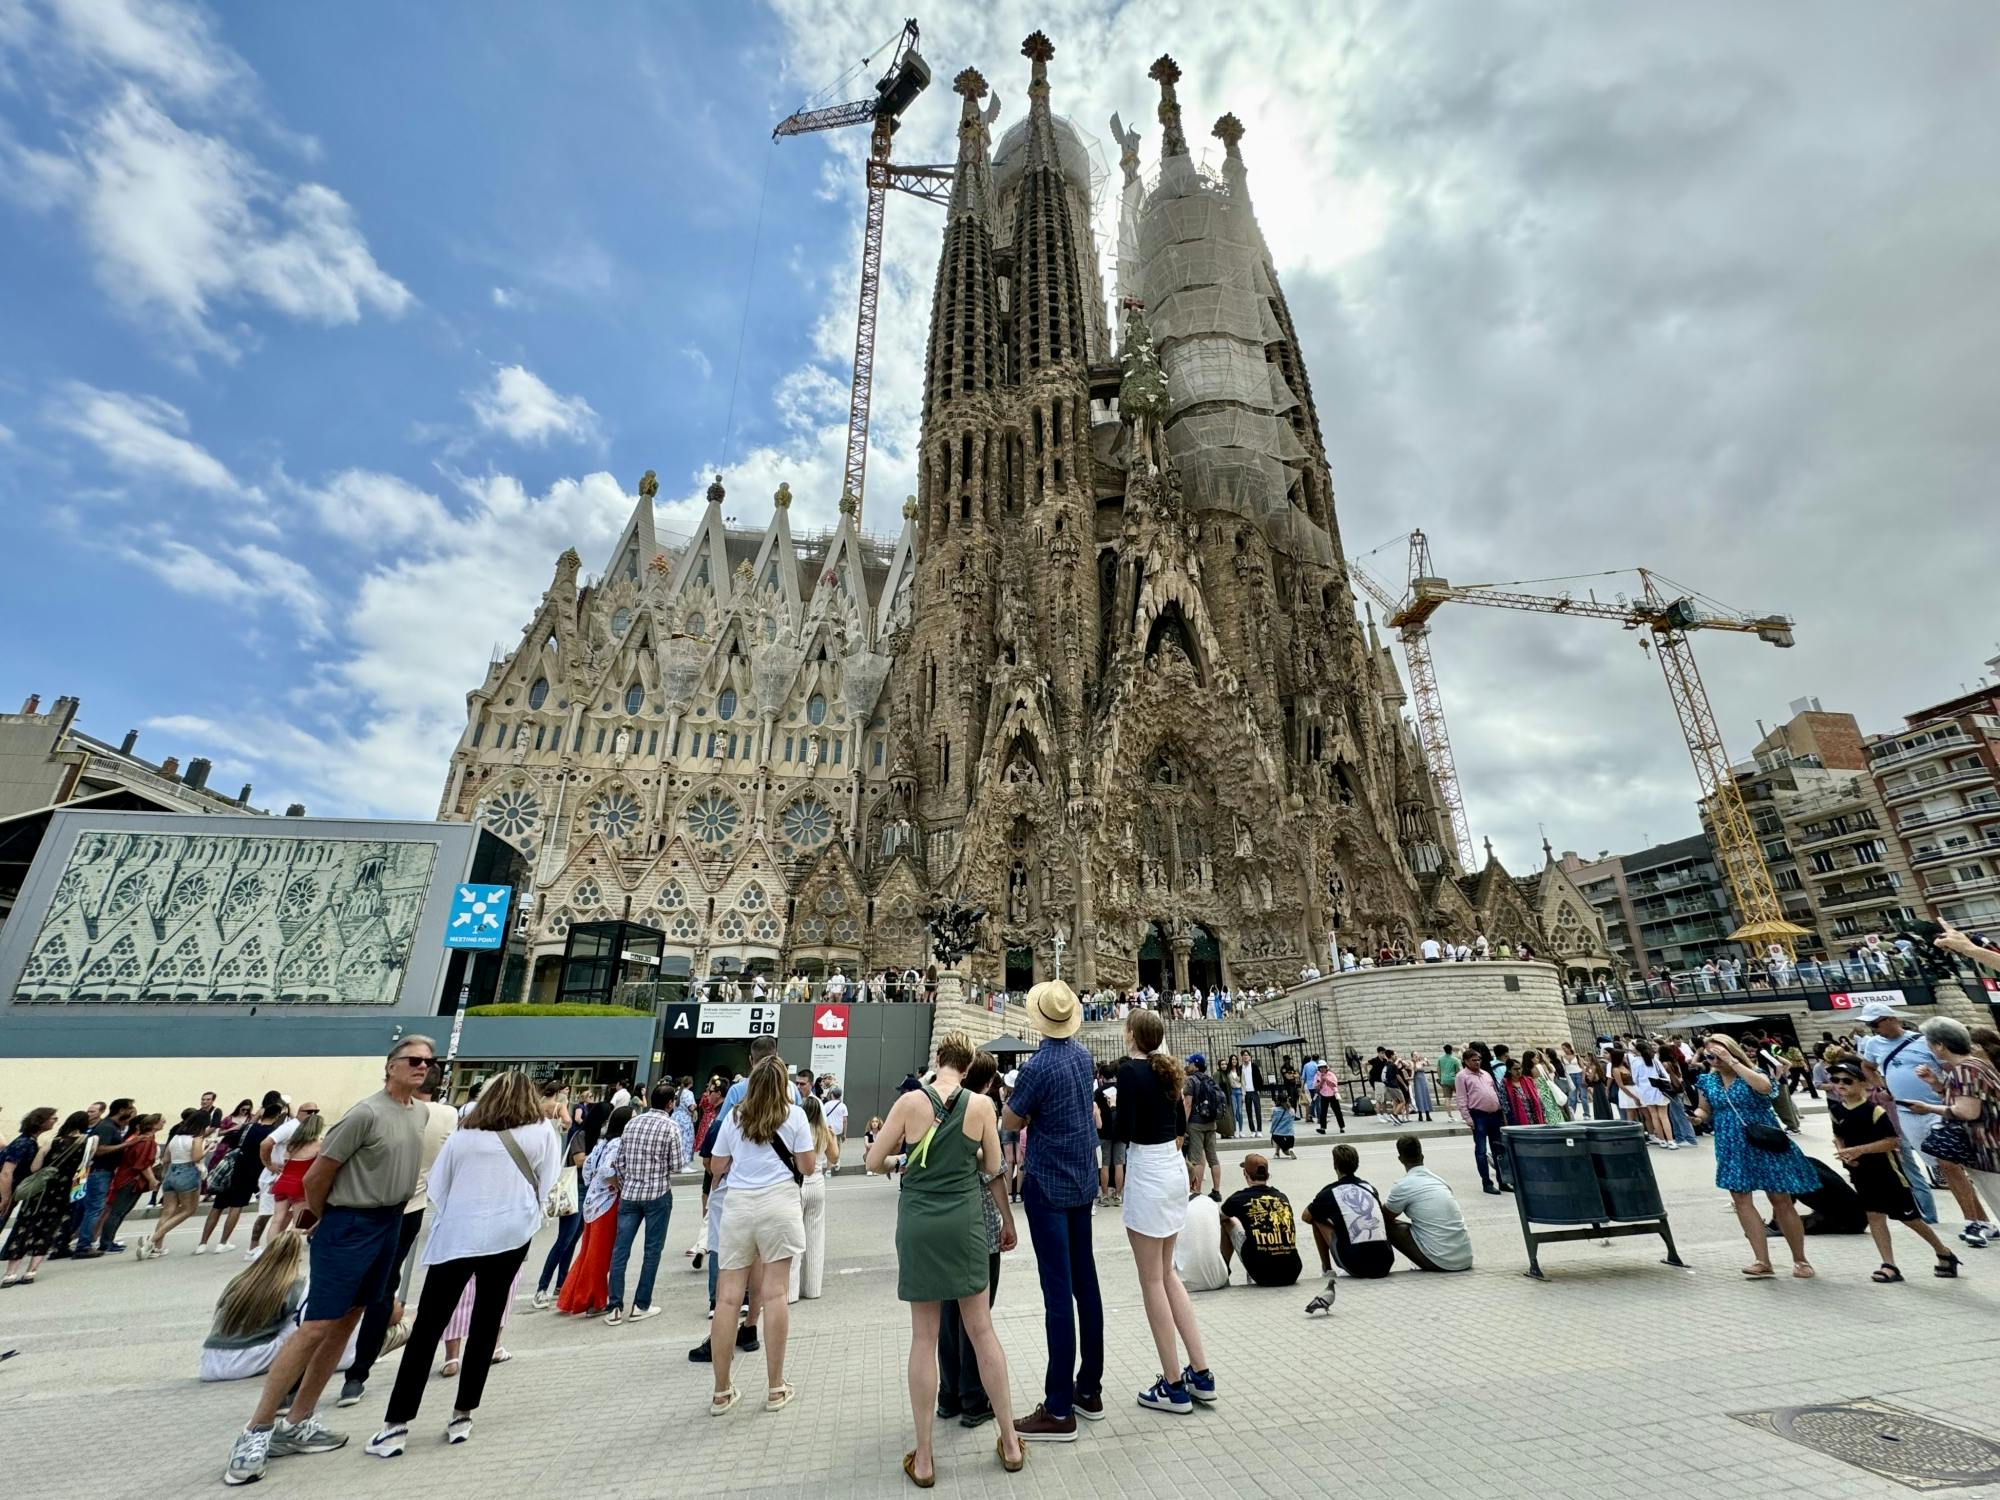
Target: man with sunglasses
<point>356,1190</point>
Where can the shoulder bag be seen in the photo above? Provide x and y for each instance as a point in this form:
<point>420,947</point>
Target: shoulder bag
<point>1764,1137</point>
<point>521,1160</point>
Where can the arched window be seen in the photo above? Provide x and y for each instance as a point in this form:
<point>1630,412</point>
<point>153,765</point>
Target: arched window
<point>620,618</point>
<point>816,708</point>
<point>539,693</point>
<point>635,698</point>
<point>725,705</point>
<point>695,624</point>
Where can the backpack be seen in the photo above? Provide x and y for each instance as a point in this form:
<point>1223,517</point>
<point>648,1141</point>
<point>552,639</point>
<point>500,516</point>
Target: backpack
<point>1207,1102</point>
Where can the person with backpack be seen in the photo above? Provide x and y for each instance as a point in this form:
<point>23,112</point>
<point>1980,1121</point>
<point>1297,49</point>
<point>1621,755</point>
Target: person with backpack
<point>1205,1104</point>
<point>38,1179</point>
<point>233,1179</point>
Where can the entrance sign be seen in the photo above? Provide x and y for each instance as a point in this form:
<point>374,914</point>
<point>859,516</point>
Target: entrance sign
<point>714,1022</point>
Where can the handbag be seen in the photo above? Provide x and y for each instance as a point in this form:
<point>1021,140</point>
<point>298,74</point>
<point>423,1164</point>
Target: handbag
<point>563,1196</point>
<point>223,1173</point>
<point>1764,1137</point>
<point>1949,1141</point>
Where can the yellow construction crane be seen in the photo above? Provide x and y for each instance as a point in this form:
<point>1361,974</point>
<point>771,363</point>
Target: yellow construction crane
<point>1432,736</point>
<point>1668,618</point>
<point>908,76</point>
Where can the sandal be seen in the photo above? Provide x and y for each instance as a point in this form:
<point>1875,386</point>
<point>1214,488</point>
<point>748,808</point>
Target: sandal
<point>1803,1272</point>
<point>1947,1267</point>
<point>1886,1275</point>
<point>501,1356</point>
<point>778,1397</point>
<point>448,1369</point>
<point>910,1469</point>
<point>1759,1270</point>
<point>721,1401</point>
<point>1000,1450</point>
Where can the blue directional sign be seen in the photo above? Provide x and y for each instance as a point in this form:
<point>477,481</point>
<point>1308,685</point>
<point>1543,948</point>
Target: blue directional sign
<point>478,917</point>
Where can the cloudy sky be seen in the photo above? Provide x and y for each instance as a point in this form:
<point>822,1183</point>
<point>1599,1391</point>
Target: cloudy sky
<point>323,330</point>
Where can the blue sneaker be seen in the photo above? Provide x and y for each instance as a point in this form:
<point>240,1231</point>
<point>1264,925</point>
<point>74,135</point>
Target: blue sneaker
<point>1167,1396</point>
<point>1200,1384</point>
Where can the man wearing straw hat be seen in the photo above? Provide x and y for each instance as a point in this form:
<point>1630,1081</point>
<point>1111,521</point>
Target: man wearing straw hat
<point>1053,1093</point>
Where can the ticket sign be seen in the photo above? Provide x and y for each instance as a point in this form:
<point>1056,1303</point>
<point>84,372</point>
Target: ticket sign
<point>830,1021</point>
<point>708,1023</point>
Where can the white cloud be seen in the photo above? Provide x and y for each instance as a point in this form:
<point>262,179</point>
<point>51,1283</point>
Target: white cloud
<point>245,576</point>
<point>6,433</point>
<point>173,46</point>
<point>375,510</point>
<point>520,405</point>
<point>699,360</point>
<point>506,296</point>
<point>145,437</point>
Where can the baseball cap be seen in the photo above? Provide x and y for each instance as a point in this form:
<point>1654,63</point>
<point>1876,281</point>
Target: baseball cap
<point>1196,1060</point>
<point>1877,1010</point>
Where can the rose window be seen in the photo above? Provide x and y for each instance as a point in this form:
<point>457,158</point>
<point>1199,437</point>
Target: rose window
<point>672,897</point>
<point>513,813</point>
<point>712,818</point>
<point>615,815</point>
<point>807,823</point>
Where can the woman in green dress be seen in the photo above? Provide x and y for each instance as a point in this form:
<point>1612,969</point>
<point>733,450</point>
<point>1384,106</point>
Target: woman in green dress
<point>946,1136</point>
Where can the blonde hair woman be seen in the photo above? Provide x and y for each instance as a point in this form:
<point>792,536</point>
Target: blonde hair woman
<point>258,1310</point>
<point>487,1186</point>
<point>950,1139</point>
<point>809,1269</point>
<point>765,1149</point>
<point>1753,1154</point>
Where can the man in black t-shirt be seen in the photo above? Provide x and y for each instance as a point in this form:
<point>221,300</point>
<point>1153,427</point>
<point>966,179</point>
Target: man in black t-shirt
<point>109,1133</point>
<point>1259,1229</point>
<point>1347,1224</point>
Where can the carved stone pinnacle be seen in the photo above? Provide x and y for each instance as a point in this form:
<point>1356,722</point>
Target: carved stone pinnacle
<point>1228,130</point>
<point>715,491</point>
<point>971,84</point>
<point>909,507</point>
<point>782,496</point>
<point>1038,47</point>
<point>1165,70</point>
<point>649,485</point>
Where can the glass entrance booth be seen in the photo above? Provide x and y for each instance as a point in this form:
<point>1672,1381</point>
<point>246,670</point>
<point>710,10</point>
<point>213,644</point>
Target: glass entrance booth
<point>605,963</point>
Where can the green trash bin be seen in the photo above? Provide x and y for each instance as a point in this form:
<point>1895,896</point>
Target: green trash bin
<point>1555,1179</point>
<point>1617,1151</point>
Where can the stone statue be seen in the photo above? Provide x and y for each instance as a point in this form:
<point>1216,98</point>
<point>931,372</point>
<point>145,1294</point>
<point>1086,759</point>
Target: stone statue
<point>1244,848</point>
<point>621,741</point>
<point>649,485</point>
<point>1007,628</point>
<point>1264,889</point>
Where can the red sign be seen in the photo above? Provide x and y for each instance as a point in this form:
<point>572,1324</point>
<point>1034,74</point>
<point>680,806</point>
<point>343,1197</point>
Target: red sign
<point>1991,984</point>
<point>1840,1001</point>
<point>830,1021</point>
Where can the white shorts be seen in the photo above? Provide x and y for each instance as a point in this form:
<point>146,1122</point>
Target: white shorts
<point>266,1204</point>
<point>1156,1190</point>
<point>767,1224</point>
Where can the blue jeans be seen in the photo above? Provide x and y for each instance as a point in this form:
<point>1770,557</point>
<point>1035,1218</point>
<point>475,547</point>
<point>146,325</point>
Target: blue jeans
<point>1486,1137</point>
<point>654,1214</point>
<point>1677,1117</point>
<point>1067,1261</point>
<point>569,1228</point>
<point>1916,1167</point>
<point>1236,1108</point>
<point>96,1193</point>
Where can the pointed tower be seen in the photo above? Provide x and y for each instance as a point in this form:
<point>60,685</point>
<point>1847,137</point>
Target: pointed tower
<point>1048,288</point>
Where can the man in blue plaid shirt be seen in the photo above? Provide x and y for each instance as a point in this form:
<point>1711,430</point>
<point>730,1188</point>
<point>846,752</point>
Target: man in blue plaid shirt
<point>1053,1094</point>
<point>649,1153</point>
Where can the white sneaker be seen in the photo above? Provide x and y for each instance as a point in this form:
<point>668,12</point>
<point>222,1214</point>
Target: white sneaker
<point>224,1248</point>
<point>640,1314</point>
<point>613,1318</point>
<point>541,1301</point>
<point>201,1249</point>
<point>389,1442</point>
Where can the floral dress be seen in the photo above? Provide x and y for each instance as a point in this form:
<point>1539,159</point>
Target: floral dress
<point>39,1227</point>
<point>1739,1166</point>
<point>1975,1078</point>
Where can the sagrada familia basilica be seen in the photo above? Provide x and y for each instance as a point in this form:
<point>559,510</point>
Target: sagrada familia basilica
<point>1108,682</point>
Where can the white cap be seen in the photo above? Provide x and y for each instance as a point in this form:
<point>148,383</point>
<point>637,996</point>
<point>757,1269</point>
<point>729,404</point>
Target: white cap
<point>1877,1010</point>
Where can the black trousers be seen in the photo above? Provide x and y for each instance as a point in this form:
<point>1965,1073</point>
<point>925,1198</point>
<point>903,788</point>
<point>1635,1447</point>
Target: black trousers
<point>1253,1110</point>
<point>493,1278</point>
<point>375,1321</point>
<point>1320,1103</point>
<point>958,1366</point>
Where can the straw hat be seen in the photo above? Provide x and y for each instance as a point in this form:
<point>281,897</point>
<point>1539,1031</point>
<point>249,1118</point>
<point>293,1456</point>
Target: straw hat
<point>1052,1005</point>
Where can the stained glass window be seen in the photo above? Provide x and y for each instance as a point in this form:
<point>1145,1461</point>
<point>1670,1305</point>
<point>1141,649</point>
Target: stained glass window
<point>513,812</point>
<point>539,693</point>
<point>725,705</point>
<point>712,817</point>
<point>635,698</point>
<point>807,823</point>
<point>816,708</point>
<point>615,815</point>
<point>620,618</point>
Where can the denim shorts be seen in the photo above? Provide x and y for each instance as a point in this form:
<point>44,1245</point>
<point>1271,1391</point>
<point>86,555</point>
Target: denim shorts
<point>184,1178</point>
<point>354,1255</point>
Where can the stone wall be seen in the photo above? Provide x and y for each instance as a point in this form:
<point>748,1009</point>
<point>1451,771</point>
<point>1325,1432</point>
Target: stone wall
<point>1588,1022</point>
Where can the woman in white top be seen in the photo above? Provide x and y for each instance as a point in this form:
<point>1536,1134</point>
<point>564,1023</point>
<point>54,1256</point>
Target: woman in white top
<point>487,1188</point>
<point>762,1224</point>
<point>180,1188</point>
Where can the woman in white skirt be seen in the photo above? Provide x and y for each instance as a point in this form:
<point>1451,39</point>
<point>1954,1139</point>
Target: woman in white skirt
<point>1152,1121</point>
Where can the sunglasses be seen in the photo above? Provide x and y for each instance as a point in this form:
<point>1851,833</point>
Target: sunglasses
<point>411,1057</point>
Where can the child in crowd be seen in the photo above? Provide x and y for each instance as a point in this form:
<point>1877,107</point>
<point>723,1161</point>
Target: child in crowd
<point>1870,1148</point>
<point>1284,1127</point>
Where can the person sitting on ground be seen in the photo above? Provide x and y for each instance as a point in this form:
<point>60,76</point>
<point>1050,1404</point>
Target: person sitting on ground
<point>1347,1223</point>
<point>1199,1258</point>
<point>258,1311</point>
<point>1258,1226</point>
<point>1871,1149</point>
<point>1421,1216</point>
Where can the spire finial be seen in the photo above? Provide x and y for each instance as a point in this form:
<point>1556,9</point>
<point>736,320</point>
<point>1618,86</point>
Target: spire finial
<point>850,504</point>
<point>1038,49</point>
<point>909,507</point>
<point>969,85</point>
<point>649,485</point>
<point>1229,131</point>
<point>715,491</point>
<point>1166,73</point>
<point>1489,850</point>
<point>782,497</point>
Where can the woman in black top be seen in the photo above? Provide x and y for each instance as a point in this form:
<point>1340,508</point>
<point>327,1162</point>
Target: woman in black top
<point>1111,1150</point>
<point>1152,1121</point>
<point>246,1166</point>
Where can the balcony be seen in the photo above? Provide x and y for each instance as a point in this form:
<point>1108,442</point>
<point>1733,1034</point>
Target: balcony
<point>1976,807</point>
<point>1970,886</point>
<point>1988,842</point>
<point>1922,785</point>
<point>1942,744</point>
<point>1803,840</point>
<point>1874,895</point>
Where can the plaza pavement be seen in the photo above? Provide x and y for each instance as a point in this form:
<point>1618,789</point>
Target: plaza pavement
<point>1616,1377</point>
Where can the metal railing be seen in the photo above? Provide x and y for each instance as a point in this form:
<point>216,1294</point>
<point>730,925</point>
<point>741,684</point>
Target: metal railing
<point>1977,807</point>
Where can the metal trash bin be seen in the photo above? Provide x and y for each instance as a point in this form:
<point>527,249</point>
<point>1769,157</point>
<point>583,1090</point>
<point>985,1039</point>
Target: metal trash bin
<point>1555,1179</point>
<point>1624,1171</point>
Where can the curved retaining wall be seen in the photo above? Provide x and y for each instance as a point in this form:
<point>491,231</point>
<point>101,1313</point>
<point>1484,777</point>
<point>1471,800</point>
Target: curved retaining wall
<point>1420,1007</point>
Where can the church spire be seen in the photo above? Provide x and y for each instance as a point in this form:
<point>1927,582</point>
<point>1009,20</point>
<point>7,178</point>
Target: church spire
<point>971,182</point>
<point>1048,288</point>
<point>1038,49</point>
<point>1166,72</point>
<point>963,354</point>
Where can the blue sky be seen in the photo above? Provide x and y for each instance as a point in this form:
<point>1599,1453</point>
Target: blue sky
<point>323,329</point>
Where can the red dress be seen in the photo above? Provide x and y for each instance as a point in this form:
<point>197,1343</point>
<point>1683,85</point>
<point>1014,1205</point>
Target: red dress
<point>291,1180</point>
<point>587,1288</point>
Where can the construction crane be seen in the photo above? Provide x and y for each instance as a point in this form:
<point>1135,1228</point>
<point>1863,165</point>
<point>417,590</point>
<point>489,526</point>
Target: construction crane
<point>908,76</point>
<point>1432,735</point>
<point>1669,619</point>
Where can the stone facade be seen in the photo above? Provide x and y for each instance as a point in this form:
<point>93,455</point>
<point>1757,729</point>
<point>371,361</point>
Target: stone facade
<point>1108,683</point>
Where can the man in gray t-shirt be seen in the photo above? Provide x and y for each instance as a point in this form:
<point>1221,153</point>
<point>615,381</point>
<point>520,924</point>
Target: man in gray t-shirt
<point>356,1189</point>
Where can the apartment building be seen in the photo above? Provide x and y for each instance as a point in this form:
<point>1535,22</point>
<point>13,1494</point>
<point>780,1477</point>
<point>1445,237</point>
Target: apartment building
<point>1939,779</point>
<point>1663,907</point>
